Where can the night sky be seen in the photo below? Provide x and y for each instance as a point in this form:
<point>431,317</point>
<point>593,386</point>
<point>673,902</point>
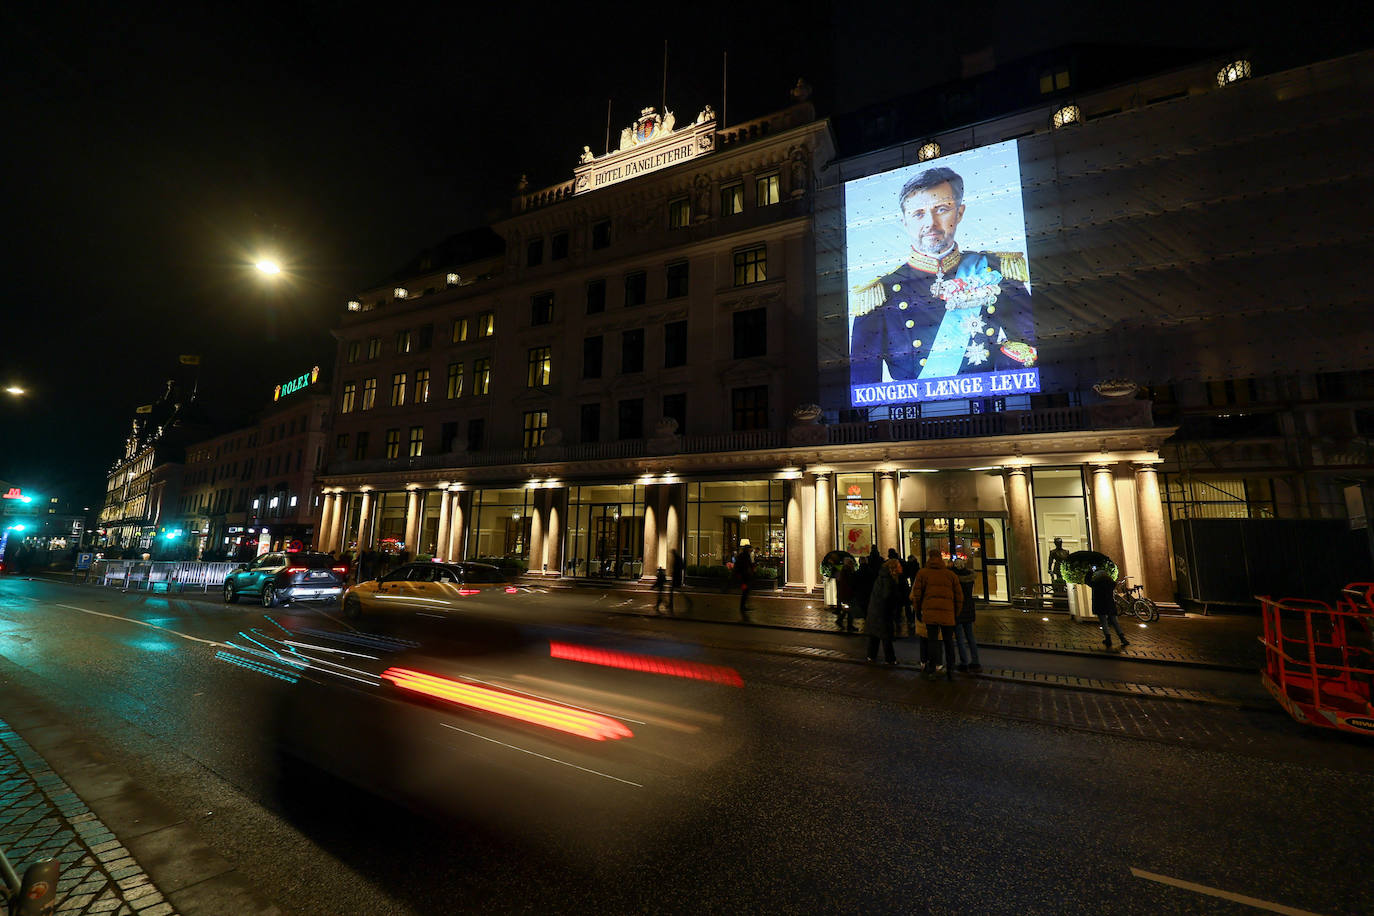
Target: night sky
<point>152,153</point>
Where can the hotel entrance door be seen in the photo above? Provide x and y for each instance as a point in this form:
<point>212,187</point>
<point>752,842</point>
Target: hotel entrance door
<point>977,542</point>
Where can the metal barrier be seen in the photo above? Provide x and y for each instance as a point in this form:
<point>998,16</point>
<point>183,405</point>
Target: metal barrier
<point>164,575</point>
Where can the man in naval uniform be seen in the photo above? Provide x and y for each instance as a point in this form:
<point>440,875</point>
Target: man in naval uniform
<point>944,312</point>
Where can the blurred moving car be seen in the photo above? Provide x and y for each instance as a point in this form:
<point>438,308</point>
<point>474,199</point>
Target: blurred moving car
<point>437,586</point>
<point>281,578</point>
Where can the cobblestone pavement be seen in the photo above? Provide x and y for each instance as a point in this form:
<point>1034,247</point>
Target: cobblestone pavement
<point>42,818</point>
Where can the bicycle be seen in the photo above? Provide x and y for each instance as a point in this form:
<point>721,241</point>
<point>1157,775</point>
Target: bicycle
<point>36,894</point>
<point>1131,602</point>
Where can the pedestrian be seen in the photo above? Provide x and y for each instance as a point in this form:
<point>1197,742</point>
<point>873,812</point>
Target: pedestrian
<point>910,566</point>
<point>848,576</point>
<point>660,583</point>
<point>743,572</point>
<point>938,598</point>
<point>963,623</point>
<point>881,607</point>
<point>676,574</point>
<point>866,575</point>
<point>1104,606</point>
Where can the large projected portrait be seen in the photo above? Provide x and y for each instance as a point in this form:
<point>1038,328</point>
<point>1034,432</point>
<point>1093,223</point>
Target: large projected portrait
<point>939,283</point>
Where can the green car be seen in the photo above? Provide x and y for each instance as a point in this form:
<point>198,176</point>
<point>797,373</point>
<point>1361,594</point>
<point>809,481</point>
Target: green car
<point>281,578</point>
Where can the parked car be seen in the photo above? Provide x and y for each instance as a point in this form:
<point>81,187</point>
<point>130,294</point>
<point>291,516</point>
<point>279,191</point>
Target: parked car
<point>439,586</point>
<point>281,578</point>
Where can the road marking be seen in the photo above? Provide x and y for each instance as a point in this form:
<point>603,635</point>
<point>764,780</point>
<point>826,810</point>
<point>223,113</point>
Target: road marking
<point>1225,895</point>
<point>143,623</point>
<point>542,756</point>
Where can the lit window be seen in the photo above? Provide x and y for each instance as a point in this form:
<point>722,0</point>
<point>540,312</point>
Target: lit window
<point>1233,72</point>
<point>460,330</point>
<point>928,151</point>
<point>767,190</point>
<point>751,265</point>
<point>293,502</point>
<point>400,292</point>
<point>417,441</point>
<point>732,199</point>
<point>354,305</point>
<point>536,423</point>
<point>393,443</point>
<point>402,341</point>
<point>398,389</point>
<point>374,347</point>
<point>421,386</point>
<point>369,393</point>
<point>486,324</point>
<point>451,279</point>
<point>354,347</point>
<point>679,213</point>
<point>1065,116</point>
<point>350,391</point>
<point>540,367</point>
<point>255,503</point>
<point>1053,80</point>
<point>481,376</point>
<point>541,309</point>
<point>455,380</point>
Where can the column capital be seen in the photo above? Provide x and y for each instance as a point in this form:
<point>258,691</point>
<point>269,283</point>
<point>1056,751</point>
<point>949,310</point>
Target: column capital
<point>1151,466</point>
<point>1017,470</point>
<point>886,475</point>
<point>1102,464</point>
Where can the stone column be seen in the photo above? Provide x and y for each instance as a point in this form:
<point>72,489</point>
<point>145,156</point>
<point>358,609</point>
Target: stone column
<point>538,516</point>
<point>674,515</point>
<point>441,537</point>
<point>326,521</point>
<point>1154,541</point>
<point>886,523</point>
<point>794,553</point>
<point>413,496</point>
<point>1106,516</point>
<point>650,531</point>
<point>811,566</point>
<point>365,523</point>
<point>1021,545</point>
<point>458,524</point>
<point>553,531</point>
<point>825,516</point>
<point>338,534</point>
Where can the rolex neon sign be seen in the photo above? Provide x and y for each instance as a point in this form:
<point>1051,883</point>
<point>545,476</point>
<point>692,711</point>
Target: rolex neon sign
<point>296,384</point>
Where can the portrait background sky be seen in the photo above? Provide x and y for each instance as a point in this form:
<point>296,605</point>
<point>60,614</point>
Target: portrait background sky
<point>151,150</point>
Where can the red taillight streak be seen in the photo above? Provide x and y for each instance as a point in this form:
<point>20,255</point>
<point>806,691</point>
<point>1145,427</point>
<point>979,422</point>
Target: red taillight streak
<point>469,591</point>
<point>340,569</point>
<point>511,589</point>
<point>540,712</point>
<point>296,569</point>
<point>649,663</point>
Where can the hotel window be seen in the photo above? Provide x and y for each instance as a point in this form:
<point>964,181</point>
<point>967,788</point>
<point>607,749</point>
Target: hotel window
<point>350,393</point>
<point>592,349</point>
<point>360,446</point>
<point>455,380</point>
<point>632,350</point>
<point>354,348</point>
<point>341,444</point>
<point>1052,80</point>
<point>369,393</point>
<point>481,376</point>
<point>421,386</point>
<point>631,419</point>
<point>636,285</point>
<point>398,389</point>
<point>374,347</point>
<point>541,308</point>
<point>675,406</point>
<point>767,191</point>
<point>540,367</point>
<point>402,341</point>
<point>536,422</point>
<point>601,234</point>
<point>732,199</point>
<point>596,296</point>
<point>677,279</point>
<point>417,441</point>
<point>751,333</point>
<point>460,330</point>
<point>749,408</point>
<point>751,265</point>
<point>486,324</point>
<point>393,443</point>
<point>558,248</point>
<point>448,436</point>
<point>534,253</point>
<point>476,433</point>
<point>426,337</point>
<point>674,344</point>
<point>679,213</point>
<point>590,422</point>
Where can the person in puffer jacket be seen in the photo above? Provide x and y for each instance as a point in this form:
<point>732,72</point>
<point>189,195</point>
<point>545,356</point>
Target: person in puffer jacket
<point>938,597</point>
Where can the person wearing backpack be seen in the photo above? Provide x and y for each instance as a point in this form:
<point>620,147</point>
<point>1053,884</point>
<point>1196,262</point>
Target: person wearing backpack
<point>938,597</point>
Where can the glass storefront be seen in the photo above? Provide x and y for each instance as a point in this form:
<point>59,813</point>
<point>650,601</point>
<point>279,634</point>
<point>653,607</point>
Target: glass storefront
<point>353,511</point>
<point>426,545</point>
<point>1061,511</point>
<point>721,513</point>
<point>389,510</point>
<point>855,513</point>
<point>605,532</point>
<point>500,526</point>
<point>978,542</point>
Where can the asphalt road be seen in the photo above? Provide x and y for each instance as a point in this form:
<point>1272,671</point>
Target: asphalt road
<point>834,786</point>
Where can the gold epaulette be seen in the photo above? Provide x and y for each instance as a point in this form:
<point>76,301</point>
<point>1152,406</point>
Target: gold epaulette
<point>864,299</point>
<point>1014,265</point>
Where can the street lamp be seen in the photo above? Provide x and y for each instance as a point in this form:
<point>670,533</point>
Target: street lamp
<point>15,390</point>
<point>268,266</point>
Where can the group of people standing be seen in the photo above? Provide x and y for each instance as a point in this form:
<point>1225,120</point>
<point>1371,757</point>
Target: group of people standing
<point>936,601</point>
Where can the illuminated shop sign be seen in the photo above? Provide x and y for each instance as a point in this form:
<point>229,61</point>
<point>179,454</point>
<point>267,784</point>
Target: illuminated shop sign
<point>646,146</point>
<point>939,281</point>
<point>296,384</point>
<point>15,493</point>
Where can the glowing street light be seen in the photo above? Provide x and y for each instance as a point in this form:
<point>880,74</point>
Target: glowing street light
<point>14,390</point>
<point>268,266</point>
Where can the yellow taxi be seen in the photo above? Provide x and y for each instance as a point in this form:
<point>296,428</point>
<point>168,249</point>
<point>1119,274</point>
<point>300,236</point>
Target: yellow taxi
<point>419,586</point>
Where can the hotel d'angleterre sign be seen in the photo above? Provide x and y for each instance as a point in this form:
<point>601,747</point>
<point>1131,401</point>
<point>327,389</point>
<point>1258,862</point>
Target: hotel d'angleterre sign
<point>647,145</point>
